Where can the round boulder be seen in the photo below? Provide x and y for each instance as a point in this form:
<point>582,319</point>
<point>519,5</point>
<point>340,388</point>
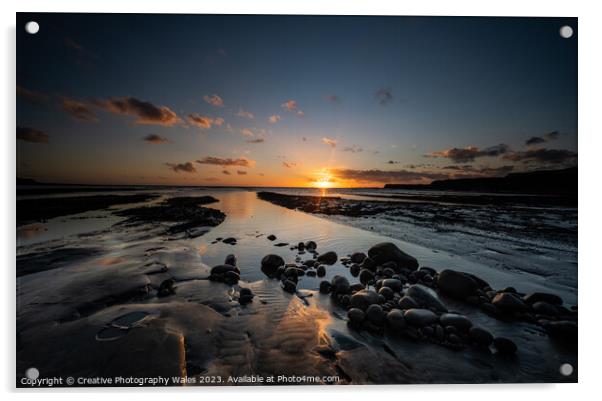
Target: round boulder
<point>426,297</point>
<point>340,285</point>
<point>363,299</point>
<point>387,251</point>
<point>460,322</point>
<point>504,346</point>
<point>329,258</point>
<point>508,302</point>
<point>271,263</point>
<point>420,317</point>
<point>480,336</point>
<point>456,284</point>
<point>395,320</point>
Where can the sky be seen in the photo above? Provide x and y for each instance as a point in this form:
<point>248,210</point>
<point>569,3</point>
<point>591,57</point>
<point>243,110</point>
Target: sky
<point>307,101</point>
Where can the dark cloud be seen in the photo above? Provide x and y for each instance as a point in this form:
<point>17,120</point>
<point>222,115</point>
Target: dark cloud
<point>219,161</point>
<point>187,167</point>
<point>289,164</point>
<point>387,176</point>
<point>353,149</point>
<point>32,96</point>
<point>392,162</point>
<point>258,140</point>
<point>469,154</point>
<point>145,112</point>
<point>384,96</point>
<point>226,172</point>
<point>31,135</point>
<point>78,110</point>
<point>240,172</point>
<point>536,140</point>
<point>543,155</point>
<point>480,171</point>
<point>332,98</point>
<point>155,139</point>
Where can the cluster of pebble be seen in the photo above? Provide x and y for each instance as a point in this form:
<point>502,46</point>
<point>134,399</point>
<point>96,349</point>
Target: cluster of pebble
<point>230,274</point>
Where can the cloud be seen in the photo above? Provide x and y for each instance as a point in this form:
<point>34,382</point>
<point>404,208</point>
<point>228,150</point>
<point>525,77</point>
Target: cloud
<point>78,110</point>
<point>353,149</point>
<point>392,162</point>
<point>31,135</point>
<point>187,167</point>
<point>241,172</point>
<point>384,96</point>
<point>480,171</point>
<point>470,153</point>
<point>304,139</point>
<point>543,155</point>
<point>330,142</point>
<point>201,122</point>
<point>247,132</point>
<point>258,140</point>
<point>292,107</point>
<point>289,164</point>
<point>219,161</point>
<point>226,172</point>
<point>387,176</point>
<point>146,113</point>
<point>214,100</point>
<point>245,114</point>
<point>274,118</point>
<point>332,98</point>
<point>536,140</point>
<point>218,122</point>
<point>155,139</point>
<point>32,96</point>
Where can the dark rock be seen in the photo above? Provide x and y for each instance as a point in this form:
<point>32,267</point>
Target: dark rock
<point>386,292</point>
<point>357,287</point>
<point>542,297</point>
<point>407,302</point>
<point>460,322</point>
<point>508,302</point>
<point>420,317</point>
<point>281,244</point>
<point>166,288</point>
<point>563,330</point>
<point>291,272</point>
<point>271,237</point>
<point>289,286</point>
<point>356,316</point>
<point>358,257</point>
<point>363,299</point>
<point>456,284</point>
<point>375,314</point>
<point>480,336</point>
<point>309,263</point>
<point>220,270</point>
<point>230,240</point>
<point>311,273</point>
<point>426,297</point>
<point>354,269</point>
<point>329,258</point>
<point>231,277</point>
<point>393,284</point>
<point>504,346</point>
<point>321,271</point>
<point>301,246</point>
<point>231,260</point>
<point>387,251</point>
<point>490,308</point>
<point>510,290</point>
<point>270,263</point>
<point>366,276</point>
<point>395,320</point>
<point>428,270</point>
<point>325,287</point>
<point>311,246</point>
<point>369,264</point>
<point>245,296</point>
<point>340,285</point>
<point>544,308</point>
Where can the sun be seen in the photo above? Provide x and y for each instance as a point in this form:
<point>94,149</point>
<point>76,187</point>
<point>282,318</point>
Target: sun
<point>324,181</point>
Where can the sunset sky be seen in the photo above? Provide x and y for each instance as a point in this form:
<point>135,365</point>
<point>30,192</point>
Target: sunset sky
<point>292,100</point>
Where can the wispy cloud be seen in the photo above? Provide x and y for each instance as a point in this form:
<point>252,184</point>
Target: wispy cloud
<point>330,142</point>
<point>387,176</point>
<point>353,149</point>
<point>241,172</point>
<point>31,135</point>
<point>145,112</point>
<point>248,132</point>
<point>543,155</point>
<point>384,96</point>
<point>78,110</point>
<point>155,139</point>
<point>289,164</point>
<point>470,153</point>
<point>202,122</point>
<point>536,140</point>
<point>245,114</point>
<point>214,100</point>
<point>273,119</point>
<point>186,167</point>
<point>292,107</point>
<point>257,140</point>
<point>219,161</point>
<point>226,172</point>
<point>32,96</point>
<point>332,98</point>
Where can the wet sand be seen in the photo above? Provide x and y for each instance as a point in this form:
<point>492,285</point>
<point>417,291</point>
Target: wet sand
<point>78,310</point>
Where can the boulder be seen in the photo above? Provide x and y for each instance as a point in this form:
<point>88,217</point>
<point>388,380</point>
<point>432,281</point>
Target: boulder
<point>420,317</point>
<point>363,299</point>
<point>321,271</point>
<point>289,286</point>
<point>231,260</point>
<point>407,302</point>
<point>387,293</point>
<point>542,297</point>
<point>375,314</point>
<point>563,330</point>
<point>509,303</point>
<point>426,297</point>
<point>393,284</point>
<point>369,264</point>
<point>480,336</point>
<point>387,251</point>
<point>504,346</point>
<point>325,287</point>
<point>456,284</point>
<point>340,285</point>
<point>329,258</point>
<point>395,320</point>
<point>358,257</point>
<point>366,276</point>
<point>220,270</point>
<point>271,263</point>
<point>356,316</point>
<point>544,308</point>
<point>354,269</point>
<point>311,246</point>
<point>460,322</point>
